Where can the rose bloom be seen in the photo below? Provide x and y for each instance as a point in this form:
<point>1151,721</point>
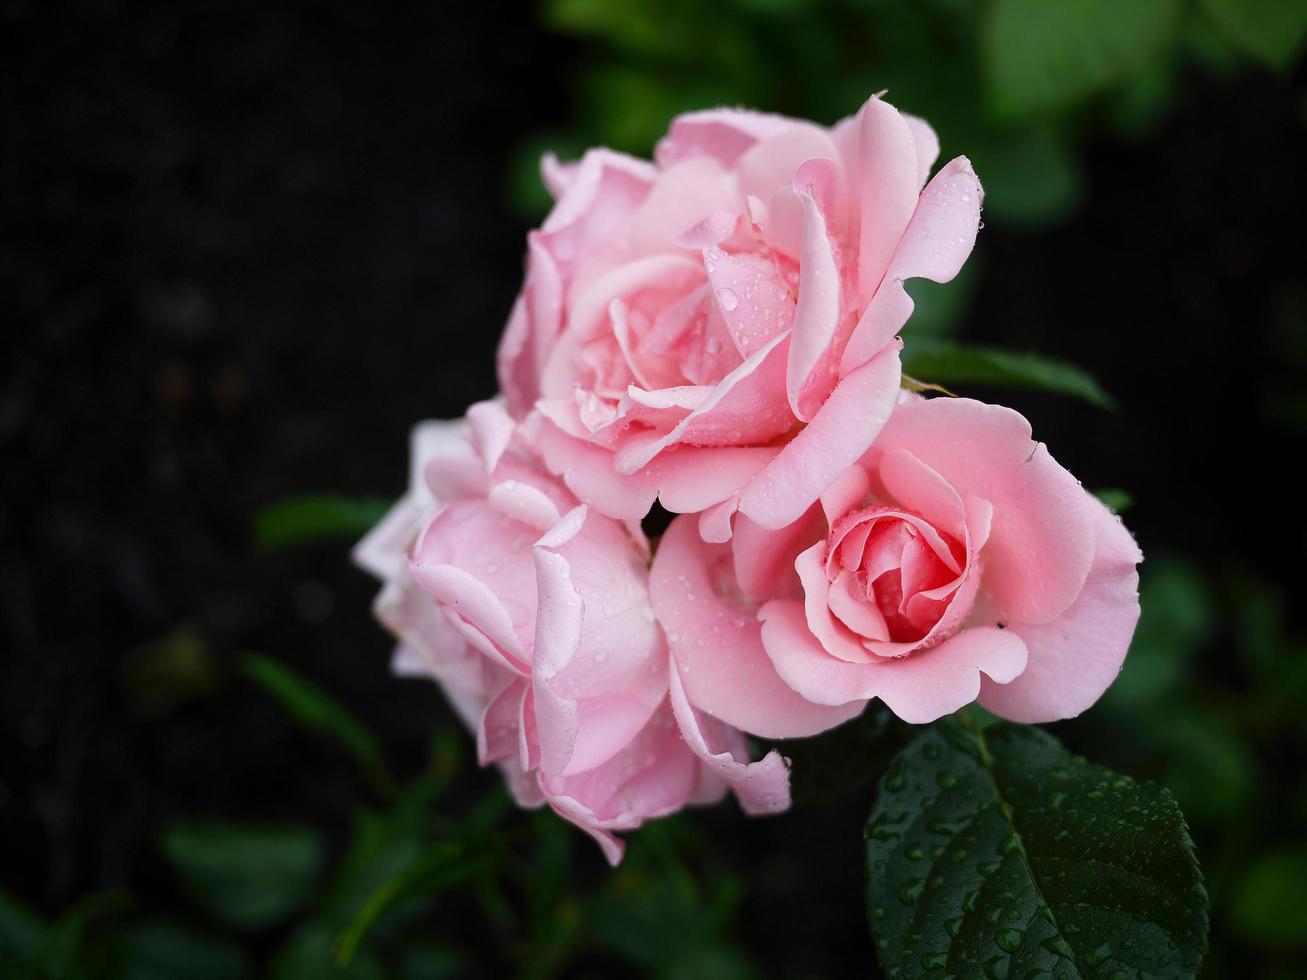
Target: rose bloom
<point>533,614</point>
<point>716,329</point>
<point>955,561</point>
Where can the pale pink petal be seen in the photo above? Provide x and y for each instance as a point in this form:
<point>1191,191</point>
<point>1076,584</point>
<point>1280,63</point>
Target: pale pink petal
<point>1076,656</point>
<point>754,303</point>
<point>605,191</point>
<point>764,559</point>
<point>557,176</point>
<point>525,503</point>
<point>847,424</point>
<point>648,283</point>
<point>654,775</point>
<point>723,134</point>
<point>745,408</point>
<point>715,522</point>
<point>938,240</point>
<point>692,478</point>
<point>851,607</point>
<point>767,181</point>
<point>886,187</point>
<point>714,638</point>
<point>817,314</point>
<point>1041,541</point>
<point>558,635</point>
<point>926,143</point>
<point>762,787</point>
<point>847,493</point>
<point>477,604</point>
<point>498,727</point>
<point>919,688</point>
<point>588,472</point>
<point>835,638</point>
<point>917,487</point>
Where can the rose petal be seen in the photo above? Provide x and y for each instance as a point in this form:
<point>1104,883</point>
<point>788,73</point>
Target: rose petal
<point>1075,657</point>
<point>714,639</point>
<point>937,241</point>
<point>918,688</point>
<point>1041,541</point>
<point>762,787</point>
<point>839,433</point>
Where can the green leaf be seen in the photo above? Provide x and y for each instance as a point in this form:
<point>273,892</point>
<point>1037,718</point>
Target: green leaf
<point>948,363</point>
<point>320,713</point>
<point>316,517</point>
<point>1272,31</point>
<point>167,951</point>
<point>999,854</point>
<point>308,955</point>
<point>833,764</point>
<point>1041,56</point>
<point>436,868</point>
<point>249,877</point>
<point>1270,900</point>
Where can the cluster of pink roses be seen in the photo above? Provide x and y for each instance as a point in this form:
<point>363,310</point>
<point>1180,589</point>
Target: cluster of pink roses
<point>717,331</point>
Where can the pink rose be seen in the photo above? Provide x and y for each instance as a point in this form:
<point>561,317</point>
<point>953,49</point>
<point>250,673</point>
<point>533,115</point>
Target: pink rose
<point>717,329</point>
<point>533,613</point>
<point>955,548</point>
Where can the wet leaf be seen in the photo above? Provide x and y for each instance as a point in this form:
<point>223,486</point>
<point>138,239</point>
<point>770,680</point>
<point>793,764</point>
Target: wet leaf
<point>998,853</point>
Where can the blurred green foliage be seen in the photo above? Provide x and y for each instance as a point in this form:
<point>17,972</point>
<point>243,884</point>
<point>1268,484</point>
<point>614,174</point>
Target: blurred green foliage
<point>1017,85</point>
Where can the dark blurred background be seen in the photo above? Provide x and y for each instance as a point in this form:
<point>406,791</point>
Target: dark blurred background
<point>244,246</point>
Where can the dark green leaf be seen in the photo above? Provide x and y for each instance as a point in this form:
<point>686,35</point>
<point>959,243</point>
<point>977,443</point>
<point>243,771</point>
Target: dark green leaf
<point>997,853</point>
<point>436,868</point>
<point>320,713</point>
<point>249,877</point>
<point>315,517</point>
<point>308,955</point>
<point>168,951</point>
<point>833,764</point>
<point>1042,56</point>
<point>1270,902</point>
<point>950,364</point>
<point>1272,31</point>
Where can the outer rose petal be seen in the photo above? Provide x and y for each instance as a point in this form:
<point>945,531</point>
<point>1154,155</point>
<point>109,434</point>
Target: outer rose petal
<point>937,241</point>
<point>1041,542</point>
<point>1075,657</point>
<point>716,647</point>
<point>654,775</point>
<point>723,134</point>
<point>761,787</point>
<point>887,187</point>
<point>688,479</point>
<point>918,688</point>
<point>590,700</point>
<point>841,431</point>
<point>818,312</point>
